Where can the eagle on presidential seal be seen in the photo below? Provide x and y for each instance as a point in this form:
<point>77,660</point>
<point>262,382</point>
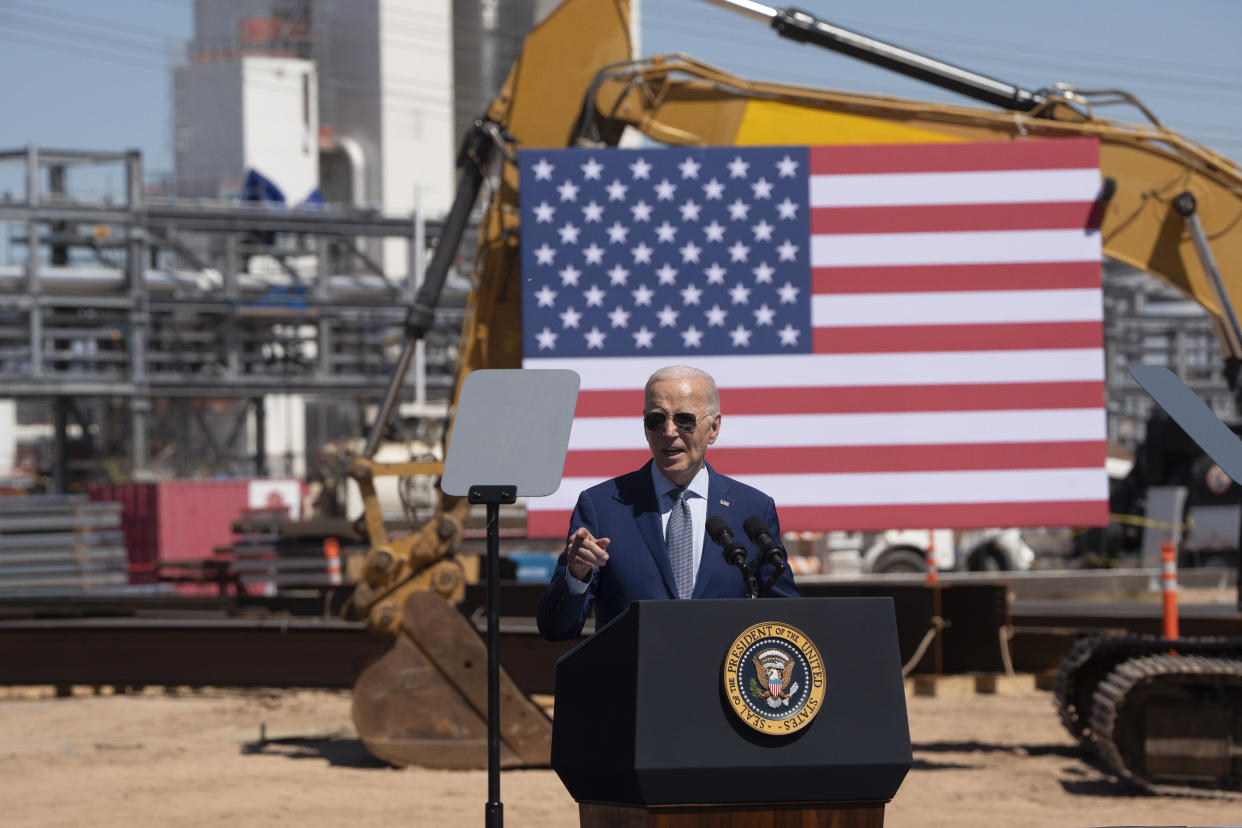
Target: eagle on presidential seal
<point>774,668</point>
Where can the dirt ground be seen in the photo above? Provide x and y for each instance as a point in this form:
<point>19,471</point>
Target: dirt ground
<point>193,759</point>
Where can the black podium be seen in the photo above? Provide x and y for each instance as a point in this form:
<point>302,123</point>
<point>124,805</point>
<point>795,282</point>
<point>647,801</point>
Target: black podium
<point>667,716</point>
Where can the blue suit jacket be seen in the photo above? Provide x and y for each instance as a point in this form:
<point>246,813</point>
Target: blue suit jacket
<point>625,511</point>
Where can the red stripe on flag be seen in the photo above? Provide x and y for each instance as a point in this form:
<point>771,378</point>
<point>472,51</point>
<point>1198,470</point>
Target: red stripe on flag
<point>1062,153</point>
<point>555,524</point>
<point>627,403</point>
<point>1007,337</point>
<point>939,218</point>
<point>853,399</point>
<point>943,278</point>
<point>1078,454</point>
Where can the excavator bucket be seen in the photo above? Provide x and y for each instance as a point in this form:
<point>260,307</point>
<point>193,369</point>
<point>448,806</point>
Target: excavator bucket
<point>424,702</point>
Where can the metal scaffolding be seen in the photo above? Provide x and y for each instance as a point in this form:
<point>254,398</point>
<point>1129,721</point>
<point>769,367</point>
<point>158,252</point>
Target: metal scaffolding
<point>142,299</point>
<point>1148,323</point>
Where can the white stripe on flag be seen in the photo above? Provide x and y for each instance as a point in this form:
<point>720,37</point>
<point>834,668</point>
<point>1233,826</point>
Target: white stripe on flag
<point>862,489</point>
<point>984,247</point>
<point>957,308</point>
<point>828,370</point>
<point>872,429</point>
<point>1004,187</point>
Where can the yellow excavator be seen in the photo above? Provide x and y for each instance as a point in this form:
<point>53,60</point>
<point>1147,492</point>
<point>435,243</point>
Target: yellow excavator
<point>1166,205</point>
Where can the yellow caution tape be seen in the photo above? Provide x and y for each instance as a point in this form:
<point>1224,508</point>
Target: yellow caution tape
<point>1139,520</point>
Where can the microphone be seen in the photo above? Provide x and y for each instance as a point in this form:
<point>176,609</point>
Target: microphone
<point>734,552</point>
<point>720,532</point>
<point>770,551</point>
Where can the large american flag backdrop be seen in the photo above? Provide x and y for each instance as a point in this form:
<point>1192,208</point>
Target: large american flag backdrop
<point>903,336</point>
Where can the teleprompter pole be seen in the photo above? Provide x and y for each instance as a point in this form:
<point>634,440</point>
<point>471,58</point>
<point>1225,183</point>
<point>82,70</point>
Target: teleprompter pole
<point>492,497</point>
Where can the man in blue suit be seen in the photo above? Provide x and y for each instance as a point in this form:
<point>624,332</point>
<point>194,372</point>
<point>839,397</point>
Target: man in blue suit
<point>642,535</point>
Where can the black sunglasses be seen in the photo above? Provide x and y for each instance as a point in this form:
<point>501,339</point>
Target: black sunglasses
<point>683,420</point>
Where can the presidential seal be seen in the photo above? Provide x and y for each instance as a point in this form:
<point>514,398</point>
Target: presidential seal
<point>774,678</point>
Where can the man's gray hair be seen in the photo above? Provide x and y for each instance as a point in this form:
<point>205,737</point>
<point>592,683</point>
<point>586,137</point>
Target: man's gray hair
<point>685,372</point>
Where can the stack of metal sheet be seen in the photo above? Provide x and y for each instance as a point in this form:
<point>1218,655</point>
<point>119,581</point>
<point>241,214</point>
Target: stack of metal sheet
<point>272,557</point>
<point>61,544</point>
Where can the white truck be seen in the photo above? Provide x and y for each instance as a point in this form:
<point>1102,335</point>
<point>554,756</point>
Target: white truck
<point>908,550</point>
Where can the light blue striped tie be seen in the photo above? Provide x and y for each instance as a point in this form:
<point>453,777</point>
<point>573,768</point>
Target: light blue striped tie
<point>680,542</point>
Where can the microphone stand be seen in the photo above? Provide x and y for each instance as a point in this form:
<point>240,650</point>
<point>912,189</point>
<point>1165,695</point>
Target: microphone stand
<point>777,562</point>
<point>748,576</point>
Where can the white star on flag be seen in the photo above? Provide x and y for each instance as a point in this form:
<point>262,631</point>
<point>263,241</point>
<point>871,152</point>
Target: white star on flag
<point>544,212</point>
<point>617,233</point>
<point>591,170</point>
<point>543,170</point>
<point>547,338</point>
<point>545,254</point>
<point>617,190</point>
<point>546,297</point>
<point>594,297</point>
<point>595,338</point>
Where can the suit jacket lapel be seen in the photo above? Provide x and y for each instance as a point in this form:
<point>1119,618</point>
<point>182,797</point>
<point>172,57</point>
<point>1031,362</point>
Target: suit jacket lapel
<point>647,518</point>
<point>711,564</point>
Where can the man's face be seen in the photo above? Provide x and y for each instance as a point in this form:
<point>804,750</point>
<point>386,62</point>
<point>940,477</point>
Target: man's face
<point>679,455</point>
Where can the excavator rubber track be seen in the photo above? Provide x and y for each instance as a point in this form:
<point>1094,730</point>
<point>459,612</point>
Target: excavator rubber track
<point>1088,662</point>
<point>1172,724</point>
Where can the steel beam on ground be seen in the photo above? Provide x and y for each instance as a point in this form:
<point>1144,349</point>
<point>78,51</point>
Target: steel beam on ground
<point>282,652</point>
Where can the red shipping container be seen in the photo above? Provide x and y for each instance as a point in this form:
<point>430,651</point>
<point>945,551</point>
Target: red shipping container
<point>176,520</point>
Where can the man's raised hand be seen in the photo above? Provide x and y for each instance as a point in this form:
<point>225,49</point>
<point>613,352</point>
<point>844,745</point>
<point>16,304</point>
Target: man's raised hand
<point>585,553</point>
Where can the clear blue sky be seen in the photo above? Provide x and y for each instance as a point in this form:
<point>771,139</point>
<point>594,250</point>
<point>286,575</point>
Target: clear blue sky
<point>83,74</point>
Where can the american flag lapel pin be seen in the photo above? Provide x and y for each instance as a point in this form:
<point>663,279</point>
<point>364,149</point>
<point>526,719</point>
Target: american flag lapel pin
<point>724,503</point>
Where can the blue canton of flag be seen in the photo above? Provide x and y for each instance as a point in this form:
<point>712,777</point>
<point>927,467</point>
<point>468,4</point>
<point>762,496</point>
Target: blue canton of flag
<point>665,252</point>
